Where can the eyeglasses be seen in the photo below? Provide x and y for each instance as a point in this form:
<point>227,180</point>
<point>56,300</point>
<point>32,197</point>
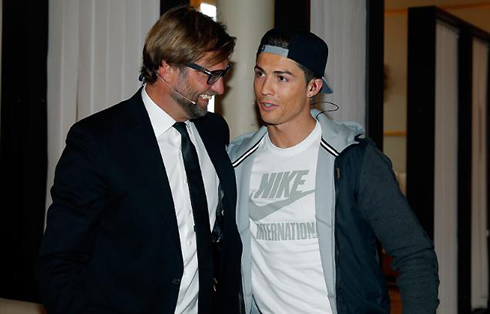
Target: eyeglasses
<point>213,76</point>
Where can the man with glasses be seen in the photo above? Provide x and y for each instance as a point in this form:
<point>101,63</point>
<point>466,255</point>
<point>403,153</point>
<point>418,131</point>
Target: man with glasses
<point>143,213</point>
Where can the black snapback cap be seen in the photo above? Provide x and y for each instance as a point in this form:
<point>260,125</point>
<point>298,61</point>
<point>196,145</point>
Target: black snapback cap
<point>305,48</point>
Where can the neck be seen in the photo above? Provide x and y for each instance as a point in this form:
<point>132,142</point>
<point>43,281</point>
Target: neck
<point>285,136</point>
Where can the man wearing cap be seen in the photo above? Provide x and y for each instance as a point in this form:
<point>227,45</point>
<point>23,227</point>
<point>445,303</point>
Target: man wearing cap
<point>313,198</point>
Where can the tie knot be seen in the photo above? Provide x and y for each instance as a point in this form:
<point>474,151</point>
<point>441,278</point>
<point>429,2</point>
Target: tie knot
<point>180,126</point>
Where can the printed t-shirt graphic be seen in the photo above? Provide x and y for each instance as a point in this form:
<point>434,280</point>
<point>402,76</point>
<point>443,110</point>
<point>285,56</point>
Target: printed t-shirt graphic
<point>287,274</point>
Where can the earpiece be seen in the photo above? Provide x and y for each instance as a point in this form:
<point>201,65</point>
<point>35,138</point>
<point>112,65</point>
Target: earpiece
<point>311,94</point>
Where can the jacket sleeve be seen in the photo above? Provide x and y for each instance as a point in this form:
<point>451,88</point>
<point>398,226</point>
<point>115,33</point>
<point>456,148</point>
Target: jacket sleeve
<point>399,232</point>
<point>78,200</point>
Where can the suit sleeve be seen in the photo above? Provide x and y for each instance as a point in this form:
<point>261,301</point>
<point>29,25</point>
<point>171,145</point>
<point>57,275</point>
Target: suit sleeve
<point>400,233</point>
<point>78,193</point>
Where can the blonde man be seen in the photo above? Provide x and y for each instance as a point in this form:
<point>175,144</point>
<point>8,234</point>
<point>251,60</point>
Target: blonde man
<point>126,232</point>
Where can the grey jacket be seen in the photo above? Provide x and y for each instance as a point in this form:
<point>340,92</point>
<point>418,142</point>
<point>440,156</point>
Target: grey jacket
<point>341,198</point>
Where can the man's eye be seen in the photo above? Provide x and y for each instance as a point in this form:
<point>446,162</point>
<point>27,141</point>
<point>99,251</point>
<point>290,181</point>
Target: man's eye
<point>259,74</point>
<point>282,78</point>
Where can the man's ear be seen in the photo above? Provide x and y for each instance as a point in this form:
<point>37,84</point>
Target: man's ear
<point>165,70</point>
<point>314,87</point>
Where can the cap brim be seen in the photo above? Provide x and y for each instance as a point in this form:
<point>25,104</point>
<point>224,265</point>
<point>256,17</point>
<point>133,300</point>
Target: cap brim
<point>326,89</point>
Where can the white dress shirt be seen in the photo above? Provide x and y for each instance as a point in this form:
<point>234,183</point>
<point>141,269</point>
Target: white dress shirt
<point>169,142</point>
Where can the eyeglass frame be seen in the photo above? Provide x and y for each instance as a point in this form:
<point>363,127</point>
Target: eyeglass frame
<point>217,73</point>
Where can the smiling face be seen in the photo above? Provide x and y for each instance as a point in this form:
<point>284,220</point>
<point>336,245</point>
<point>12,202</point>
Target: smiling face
<point>281,92</point>
<point>193,85</point>
<point>184,92</point>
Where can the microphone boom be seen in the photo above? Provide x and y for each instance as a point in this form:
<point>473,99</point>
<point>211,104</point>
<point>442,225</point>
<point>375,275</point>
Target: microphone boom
<point>175,90</point>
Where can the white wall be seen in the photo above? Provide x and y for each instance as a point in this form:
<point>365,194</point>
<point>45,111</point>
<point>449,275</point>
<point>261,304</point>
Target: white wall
<point>446,156</point>
<point>479,238</point>
<point>248,21</point>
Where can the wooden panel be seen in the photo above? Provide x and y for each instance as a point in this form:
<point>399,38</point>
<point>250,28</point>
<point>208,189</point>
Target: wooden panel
<point>165,5</point>
<point>421,115</point>
<point>292,14</point>
<point>23,154</point>
<point>374,70</point>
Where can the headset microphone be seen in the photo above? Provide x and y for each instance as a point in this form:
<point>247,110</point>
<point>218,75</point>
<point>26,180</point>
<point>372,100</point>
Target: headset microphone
<point>179,93</point>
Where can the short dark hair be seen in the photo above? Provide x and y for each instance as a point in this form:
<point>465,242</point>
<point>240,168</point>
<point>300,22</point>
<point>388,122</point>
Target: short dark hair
<point>182,36</point>
<point>282,39</point>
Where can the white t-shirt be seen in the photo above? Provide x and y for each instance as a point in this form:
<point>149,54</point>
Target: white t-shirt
<point>287,274</point>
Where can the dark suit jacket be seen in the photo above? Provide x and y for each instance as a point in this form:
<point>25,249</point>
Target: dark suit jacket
<point>112,241</point>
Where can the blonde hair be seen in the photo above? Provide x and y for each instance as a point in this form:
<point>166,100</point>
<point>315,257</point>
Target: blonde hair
<point>182,36</point>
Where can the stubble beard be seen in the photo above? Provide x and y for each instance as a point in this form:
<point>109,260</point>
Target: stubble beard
<point>192,110</point>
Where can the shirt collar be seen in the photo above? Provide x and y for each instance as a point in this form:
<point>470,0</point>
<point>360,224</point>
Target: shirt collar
<point>160,120</point>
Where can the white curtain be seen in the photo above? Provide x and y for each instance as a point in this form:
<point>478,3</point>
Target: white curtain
<point>446,165</point>
<point>479,251</point>
<point>342,24</point>
<point>94,57</point>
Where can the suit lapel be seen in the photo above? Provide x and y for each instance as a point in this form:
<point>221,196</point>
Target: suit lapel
<point>220,160</point>
<point>142,142</point>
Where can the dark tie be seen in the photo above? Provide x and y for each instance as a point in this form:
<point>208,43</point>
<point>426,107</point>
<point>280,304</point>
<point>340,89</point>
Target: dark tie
<point>201,219</point>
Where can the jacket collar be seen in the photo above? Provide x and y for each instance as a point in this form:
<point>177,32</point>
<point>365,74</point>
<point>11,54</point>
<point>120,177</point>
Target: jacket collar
<point>336,136</point>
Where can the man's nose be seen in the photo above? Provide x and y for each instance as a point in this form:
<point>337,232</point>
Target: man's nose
<point>218,87</point>
<point>266,88</point>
